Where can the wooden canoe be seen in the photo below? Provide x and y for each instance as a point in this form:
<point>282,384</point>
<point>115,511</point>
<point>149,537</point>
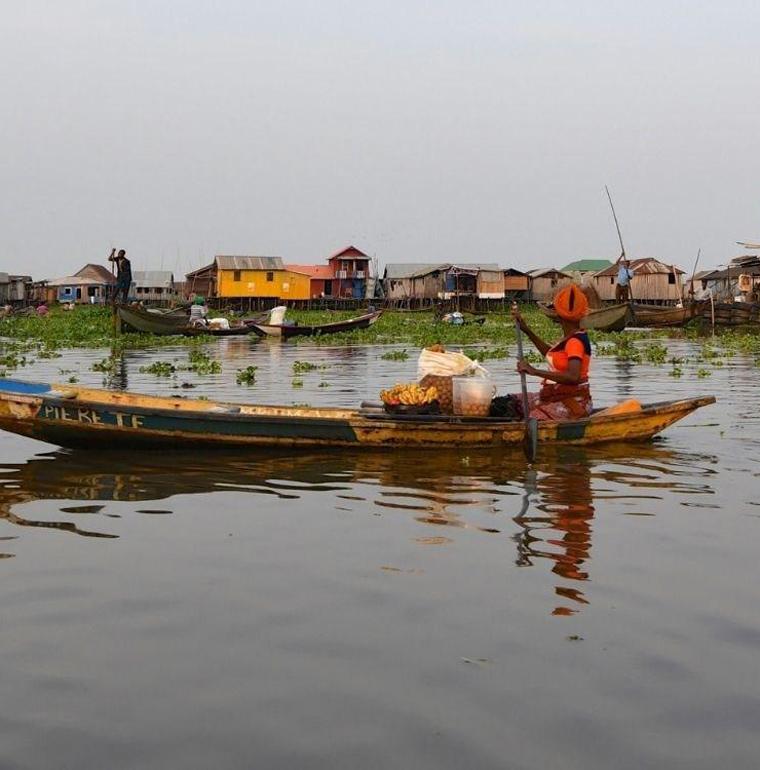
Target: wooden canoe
<point>613,318</point>
<point>286,331</point>
<point>169,323</point>
<point>653,316</point>
<point>71,416</point>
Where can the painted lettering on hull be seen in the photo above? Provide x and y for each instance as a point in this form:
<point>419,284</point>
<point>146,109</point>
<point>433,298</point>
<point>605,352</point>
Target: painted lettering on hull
<point>88,416</point>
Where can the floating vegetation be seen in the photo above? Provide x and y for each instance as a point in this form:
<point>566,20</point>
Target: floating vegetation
<point>160,369</point>
<point>655,353</point>
<point>202,363</point>
<point>107,365</point>
<point>324,384</point>
<point>299,367</point>
<point>246,376</point>
<point>485,354</point>
<point>297,382</point>
<point>395,355</point>
<point>533,357</point>
<point>12,360</point>
<point>701,373</point>
<point>73,379</point>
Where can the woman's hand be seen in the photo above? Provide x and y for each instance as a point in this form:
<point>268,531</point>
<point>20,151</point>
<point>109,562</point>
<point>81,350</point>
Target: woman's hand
<point>523,367</point>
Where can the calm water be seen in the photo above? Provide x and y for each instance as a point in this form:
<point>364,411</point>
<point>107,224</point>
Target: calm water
<point>384,609</point>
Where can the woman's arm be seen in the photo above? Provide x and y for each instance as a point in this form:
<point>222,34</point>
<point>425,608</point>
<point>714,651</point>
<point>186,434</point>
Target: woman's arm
<point>543,347</point>
<point>571,377</point>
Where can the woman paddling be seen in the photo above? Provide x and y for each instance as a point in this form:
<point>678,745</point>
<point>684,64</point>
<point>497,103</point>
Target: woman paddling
<point>564,393</point>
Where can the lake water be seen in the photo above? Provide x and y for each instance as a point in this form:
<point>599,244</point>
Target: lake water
<point>379,609</point>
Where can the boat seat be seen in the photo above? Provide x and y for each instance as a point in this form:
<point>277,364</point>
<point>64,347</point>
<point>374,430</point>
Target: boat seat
<point>62,393</point>
<point>225,409</point>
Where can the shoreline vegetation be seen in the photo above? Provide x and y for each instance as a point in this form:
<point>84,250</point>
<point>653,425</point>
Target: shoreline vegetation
<point>24,339</point>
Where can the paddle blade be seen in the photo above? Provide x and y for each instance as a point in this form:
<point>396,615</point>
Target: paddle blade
<point>530,439</point>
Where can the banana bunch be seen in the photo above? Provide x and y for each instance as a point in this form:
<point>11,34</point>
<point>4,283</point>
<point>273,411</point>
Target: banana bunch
<point>409,394</point>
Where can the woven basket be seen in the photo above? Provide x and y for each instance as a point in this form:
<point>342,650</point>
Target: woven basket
<point>445,388</point>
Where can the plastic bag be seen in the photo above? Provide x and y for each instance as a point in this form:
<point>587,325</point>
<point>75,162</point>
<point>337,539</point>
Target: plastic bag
<point>447,365</point>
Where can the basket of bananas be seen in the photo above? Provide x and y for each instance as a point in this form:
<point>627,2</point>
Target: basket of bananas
<point>410,398</point>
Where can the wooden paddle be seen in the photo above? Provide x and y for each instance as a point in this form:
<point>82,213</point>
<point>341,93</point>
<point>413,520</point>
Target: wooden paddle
<point>530,437</point>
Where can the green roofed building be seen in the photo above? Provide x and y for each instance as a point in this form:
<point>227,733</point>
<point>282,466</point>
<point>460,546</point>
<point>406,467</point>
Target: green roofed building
<point>585,266</point>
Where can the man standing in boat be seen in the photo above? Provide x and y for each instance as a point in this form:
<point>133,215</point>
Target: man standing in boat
<point>123,275</point>
<point>624,276</point>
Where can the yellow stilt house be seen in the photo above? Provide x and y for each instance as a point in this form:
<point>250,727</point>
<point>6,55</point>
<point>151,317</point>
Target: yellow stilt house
<point>248,277</point>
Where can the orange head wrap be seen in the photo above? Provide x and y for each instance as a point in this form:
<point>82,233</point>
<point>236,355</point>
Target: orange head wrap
<point>570,303</point>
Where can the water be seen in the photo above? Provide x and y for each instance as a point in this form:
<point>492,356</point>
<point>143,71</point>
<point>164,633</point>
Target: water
<point>383,609</point>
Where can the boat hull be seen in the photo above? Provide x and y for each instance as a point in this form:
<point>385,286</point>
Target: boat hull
<point>285,331</point>
<point>164,324</point>
<point>607,319</point>
<point>663,317</point>
<point>83,416</point>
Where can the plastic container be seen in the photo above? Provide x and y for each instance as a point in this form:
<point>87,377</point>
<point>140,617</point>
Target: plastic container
<point>472,396</point>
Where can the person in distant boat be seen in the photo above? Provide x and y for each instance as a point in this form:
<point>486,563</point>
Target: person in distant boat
<point>123,275</point>
<point>198,312</point>
<point>565,392</point>
<point>42,309</point>
<point>623,285</point>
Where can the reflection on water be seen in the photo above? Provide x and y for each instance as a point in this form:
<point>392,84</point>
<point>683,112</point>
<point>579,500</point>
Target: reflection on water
<point>383,609</point>
<point>546,512</point>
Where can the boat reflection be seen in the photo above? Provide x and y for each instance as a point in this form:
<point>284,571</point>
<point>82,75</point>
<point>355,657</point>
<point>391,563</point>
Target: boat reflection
<point>546,512</point>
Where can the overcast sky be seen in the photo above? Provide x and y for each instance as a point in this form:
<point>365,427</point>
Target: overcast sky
<point>419,131</point>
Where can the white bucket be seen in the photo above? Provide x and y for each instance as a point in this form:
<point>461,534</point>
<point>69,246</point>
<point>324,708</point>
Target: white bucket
<point>472,396</point>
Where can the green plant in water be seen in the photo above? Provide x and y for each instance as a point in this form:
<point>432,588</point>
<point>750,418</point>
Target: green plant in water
<point>297,382</point>
<point>202,363</point>
<point>246,376</point>
<point>299,367</point>
<point>486,354</point>
<point>395,355</point>
<point>324,384</point>
<point>702,373</point>
<point>655,352</point>
<point>106,365</point>
<point>159,368</point>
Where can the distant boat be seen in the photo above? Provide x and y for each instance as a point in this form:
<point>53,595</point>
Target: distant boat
<point>613,318</point>
<point>660,317</point>
<point>286,331</point>
<point>169,323</point>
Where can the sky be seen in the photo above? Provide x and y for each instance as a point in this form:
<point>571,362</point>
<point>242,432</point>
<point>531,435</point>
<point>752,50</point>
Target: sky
<point>420,131</point>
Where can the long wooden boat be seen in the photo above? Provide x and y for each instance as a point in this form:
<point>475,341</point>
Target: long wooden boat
<point>169,323</point>
<point>286,331</point>
<point>71,416</point>
<point>656,317</point>
<point>613,318</point>
<point>732,313</point>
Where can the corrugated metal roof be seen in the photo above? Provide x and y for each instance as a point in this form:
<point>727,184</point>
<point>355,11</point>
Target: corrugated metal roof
<point>249,263</point>
<point>647,265</point>
<point>587,266</point>
<point>356,253</point>
<point>153,278</point>
<point>545,271</point>
<point>400,270</point>
<point>75,280</point>
<point>97,273</point>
